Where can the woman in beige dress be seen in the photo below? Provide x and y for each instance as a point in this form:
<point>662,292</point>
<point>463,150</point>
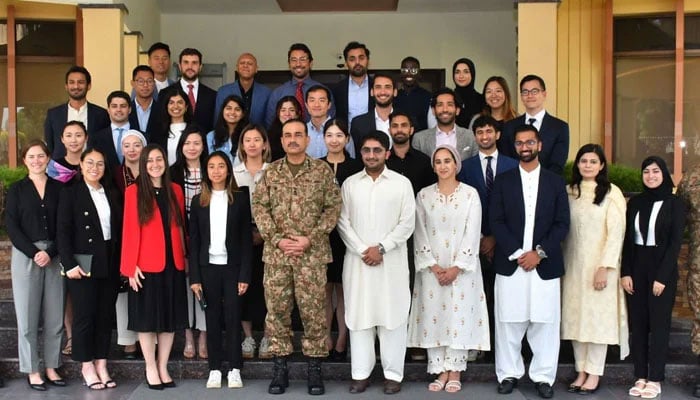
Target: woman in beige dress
<point>593,309</point>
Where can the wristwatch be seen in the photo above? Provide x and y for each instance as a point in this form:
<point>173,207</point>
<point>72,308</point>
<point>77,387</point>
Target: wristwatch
<point>540,252</point>
<point>382,251</point>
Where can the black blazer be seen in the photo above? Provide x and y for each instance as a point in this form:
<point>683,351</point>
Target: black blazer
<point>203,112</point>
<point>340,95</point>
<point>56,119</point>
<point>507,219</point>
<point>668,233</point>
<point>152,123</point>
<point>103,141</point>
<point>555,141</point>
<point>239,237</point>
<point>80,232</point>
<point>361,126</point>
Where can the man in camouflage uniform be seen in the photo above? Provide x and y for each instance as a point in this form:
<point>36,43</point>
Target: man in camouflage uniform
<point>689,191</point>
<point>296,205</point>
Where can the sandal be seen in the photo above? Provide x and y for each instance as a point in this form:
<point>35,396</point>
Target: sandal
<point>110,384</point>
<point>453,386</point>
<point>68,348</point>
<point>638,387</point>
<point>651,390</point>
<point>436,386</point>
<point>94,385</point>
<point>188,352</point>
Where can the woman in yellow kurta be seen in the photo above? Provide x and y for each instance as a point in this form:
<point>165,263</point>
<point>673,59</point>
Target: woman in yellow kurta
<point>593,309</point>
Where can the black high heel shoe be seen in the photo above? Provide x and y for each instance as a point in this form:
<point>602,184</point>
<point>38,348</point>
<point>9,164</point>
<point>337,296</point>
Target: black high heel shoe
<point>36,386</point>
<point>158,386</point>
<point>584,391</point>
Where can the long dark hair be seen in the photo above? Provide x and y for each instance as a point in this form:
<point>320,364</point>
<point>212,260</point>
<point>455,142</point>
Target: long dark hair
<point>180,160</point>
<point>231,185</point>
<point>602,182</point>
<point>146,193</point>
<point>165,117</point>
<point>266,154</point>
<point>507,104</point>
<point>276,124</point>
<point>221,133</point>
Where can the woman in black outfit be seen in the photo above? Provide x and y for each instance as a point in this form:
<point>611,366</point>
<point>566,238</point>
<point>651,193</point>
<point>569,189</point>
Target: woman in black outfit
<point>287,108</point>
<point>221,246</point>
<point>89,224</point>
<point>655,222</point>
<point>336,136</point>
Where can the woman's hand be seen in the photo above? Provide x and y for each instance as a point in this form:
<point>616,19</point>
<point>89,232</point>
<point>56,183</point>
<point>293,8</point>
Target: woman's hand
<point>242,288</point>
<point>626,282</point>
<point>197,290</point>
<point>75,273</point>
<point>449,276</point>
<point>600,278</point>
<point>657,288</point>
<point>438,272</point>
<point>42,258</point>
<point>135,282</point>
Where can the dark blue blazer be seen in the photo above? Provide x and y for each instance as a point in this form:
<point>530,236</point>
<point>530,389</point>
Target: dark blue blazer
<point>104,142</point>
<point>257,110</point>
<point>473,175</point>
<point>152,123</point>
<point>555,141</point>
<point>340,95</point>
<point>507,219</point>
<point>56,119</point>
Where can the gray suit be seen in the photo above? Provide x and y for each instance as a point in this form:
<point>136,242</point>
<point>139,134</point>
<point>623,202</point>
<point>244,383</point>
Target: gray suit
<point>424,141</point>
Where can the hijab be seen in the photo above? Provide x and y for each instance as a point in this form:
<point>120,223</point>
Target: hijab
<point>469,100</point>
<point>649,196</point>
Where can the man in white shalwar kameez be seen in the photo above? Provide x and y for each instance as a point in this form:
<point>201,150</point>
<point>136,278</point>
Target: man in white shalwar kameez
<point>376,220</point>
<point>529,216</point>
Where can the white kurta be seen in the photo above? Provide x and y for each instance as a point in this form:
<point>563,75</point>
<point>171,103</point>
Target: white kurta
<point>376,211</point>
<point>447,233</point>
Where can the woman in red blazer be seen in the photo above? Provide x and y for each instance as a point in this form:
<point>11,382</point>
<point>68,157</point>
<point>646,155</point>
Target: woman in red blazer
<point>153,258</point>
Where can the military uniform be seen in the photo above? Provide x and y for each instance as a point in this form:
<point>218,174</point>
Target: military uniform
<point>284,205</point>
<point>689,191</point>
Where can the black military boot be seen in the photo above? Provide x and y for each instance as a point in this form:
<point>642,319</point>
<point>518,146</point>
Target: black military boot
<point>315,380</point>
<point>280,376</point>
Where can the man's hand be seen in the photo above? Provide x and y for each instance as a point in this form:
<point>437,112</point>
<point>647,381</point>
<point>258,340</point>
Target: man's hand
<point>529,260</point>
<point>291,247</point>
<point>487,247</point>
<point>372,256</point>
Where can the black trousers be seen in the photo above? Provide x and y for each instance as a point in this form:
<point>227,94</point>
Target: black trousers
<point>488,276</point>
<point>650,317</point>
<point>93,315</point>
<point>220,287</point>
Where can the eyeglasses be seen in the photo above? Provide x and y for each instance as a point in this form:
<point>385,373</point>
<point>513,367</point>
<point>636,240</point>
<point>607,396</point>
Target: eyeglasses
<point>295,60</point>
<point>92,164</point>
<point>370,150</point>
<point>145,82</point>
<point>528,143</point>
<point>411,71</point>
<point>533,92</point>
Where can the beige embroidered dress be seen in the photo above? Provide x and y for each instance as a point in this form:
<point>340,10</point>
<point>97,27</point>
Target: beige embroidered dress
<point>595,239</point>
<point>448,230</point>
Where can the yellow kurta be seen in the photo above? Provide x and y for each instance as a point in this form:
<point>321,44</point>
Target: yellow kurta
<point>594,240</point>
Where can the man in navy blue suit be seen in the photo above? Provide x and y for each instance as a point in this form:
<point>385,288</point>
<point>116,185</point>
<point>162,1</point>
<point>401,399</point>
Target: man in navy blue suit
<point>480,172</point>
<point>253,93</point>
<point>553,131</point>
<point>352,93</point>
<point>529,217</point>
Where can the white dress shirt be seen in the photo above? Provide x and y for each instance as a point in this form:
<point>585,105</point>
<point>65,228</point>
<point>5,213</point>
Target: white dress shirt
<point>218,214</point>
<point>99,198</point>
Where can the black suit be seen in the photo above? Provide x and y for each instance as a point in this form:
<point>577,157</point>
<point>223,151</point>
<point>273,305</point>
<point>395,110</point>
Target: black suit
<point>204,110</point>
<point>56,119</point>
<point>219,282</point>
<point>554,134</point>
<point>151,125</point>
<point>361,126</point>
<point>340,95</point>
<point>80,232</point>
<point>104,142</point>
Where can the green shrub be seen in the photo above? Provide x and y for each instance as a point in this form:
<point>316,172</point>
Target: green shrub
<point>629,180</point>
<point>8,175</point>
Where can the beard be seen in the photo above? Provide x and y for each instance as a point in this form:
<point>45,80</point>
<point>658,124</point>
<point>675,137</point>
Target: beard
<point>528,157</point>
<point>358,71</point>
<point>401,138</point>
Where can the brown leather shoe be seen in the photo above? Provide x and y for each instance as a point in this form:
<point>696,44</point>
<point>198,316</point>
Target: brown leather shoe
<point>391,387</point>
<point>359,386</point>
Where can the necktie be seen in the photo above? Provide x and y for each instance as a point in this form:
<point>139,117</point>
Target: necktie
<point>190,94</point>
<point>300,98</point>
<point>489,176</point>
<point>531,121</point>
<point>120,132</point>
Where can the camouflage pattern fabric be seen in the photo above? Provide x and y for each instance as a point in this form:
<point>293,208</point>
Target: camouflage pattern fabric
<point>689,191</point>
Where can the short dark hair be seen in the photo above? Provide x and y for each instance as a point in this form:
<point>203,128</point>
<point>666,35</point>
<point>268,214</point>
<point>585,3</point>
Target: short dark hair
<point>353,46</point>
<point>411,58</point>
<point>118,94</point>
<point>80,70</point>
<point>526,128</point>
<point>158,46</point>
<point>189,51</point>
<point>79,124</point>
<point>386,76</point>
<point>289,121</point>
<point>33,143</point>
<point>528,78</point>
<point>302,47</point>
<point>440,92</point>
<point>377,135</point>
<point>316,88</point>
<point>140,68</point>
<point>485,120</point>
<point>399,113</point>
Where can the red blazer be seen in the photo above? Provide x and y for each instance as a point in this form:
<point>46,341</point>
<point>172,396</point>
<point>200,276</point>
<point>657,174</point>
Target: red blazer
<point>144,246</point>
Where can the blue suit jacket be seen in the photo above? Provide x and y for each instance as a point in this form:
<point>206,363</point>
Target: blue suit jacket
<point>340,95</point>
<point>555,141</point>
<point>153,119</point>
<point>56,119</point>
<point>507,219</point>
<point>256,114</point>
<point>473,175</point>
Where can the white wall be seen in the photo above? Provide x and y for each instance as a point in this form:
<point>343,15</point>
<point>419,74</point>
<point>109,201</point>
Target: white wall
<point>436,39</point>
<point>144,16</point>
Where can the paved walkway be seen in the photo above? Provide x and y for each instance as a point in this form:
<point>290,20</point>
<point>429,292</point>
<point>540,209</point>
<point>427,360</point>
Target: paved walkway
<point>257,389</point>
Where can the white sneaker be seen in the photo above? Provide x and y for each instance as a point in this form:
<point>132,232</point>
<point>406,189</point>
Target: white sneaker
<point>248,347</point>
<point>264,351</point>
<point>214,381</point>
<point>234,378</point>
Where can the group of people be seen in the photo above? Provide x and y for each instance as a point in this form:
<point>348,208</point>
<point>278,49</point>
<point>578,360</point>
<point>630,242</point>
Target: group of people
<point>438,221</point>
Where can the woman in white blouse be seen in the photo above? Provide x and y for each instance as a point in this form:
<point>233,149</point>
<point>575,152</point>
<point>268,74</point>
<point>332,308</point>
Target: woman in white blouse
<point>448,315</point>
